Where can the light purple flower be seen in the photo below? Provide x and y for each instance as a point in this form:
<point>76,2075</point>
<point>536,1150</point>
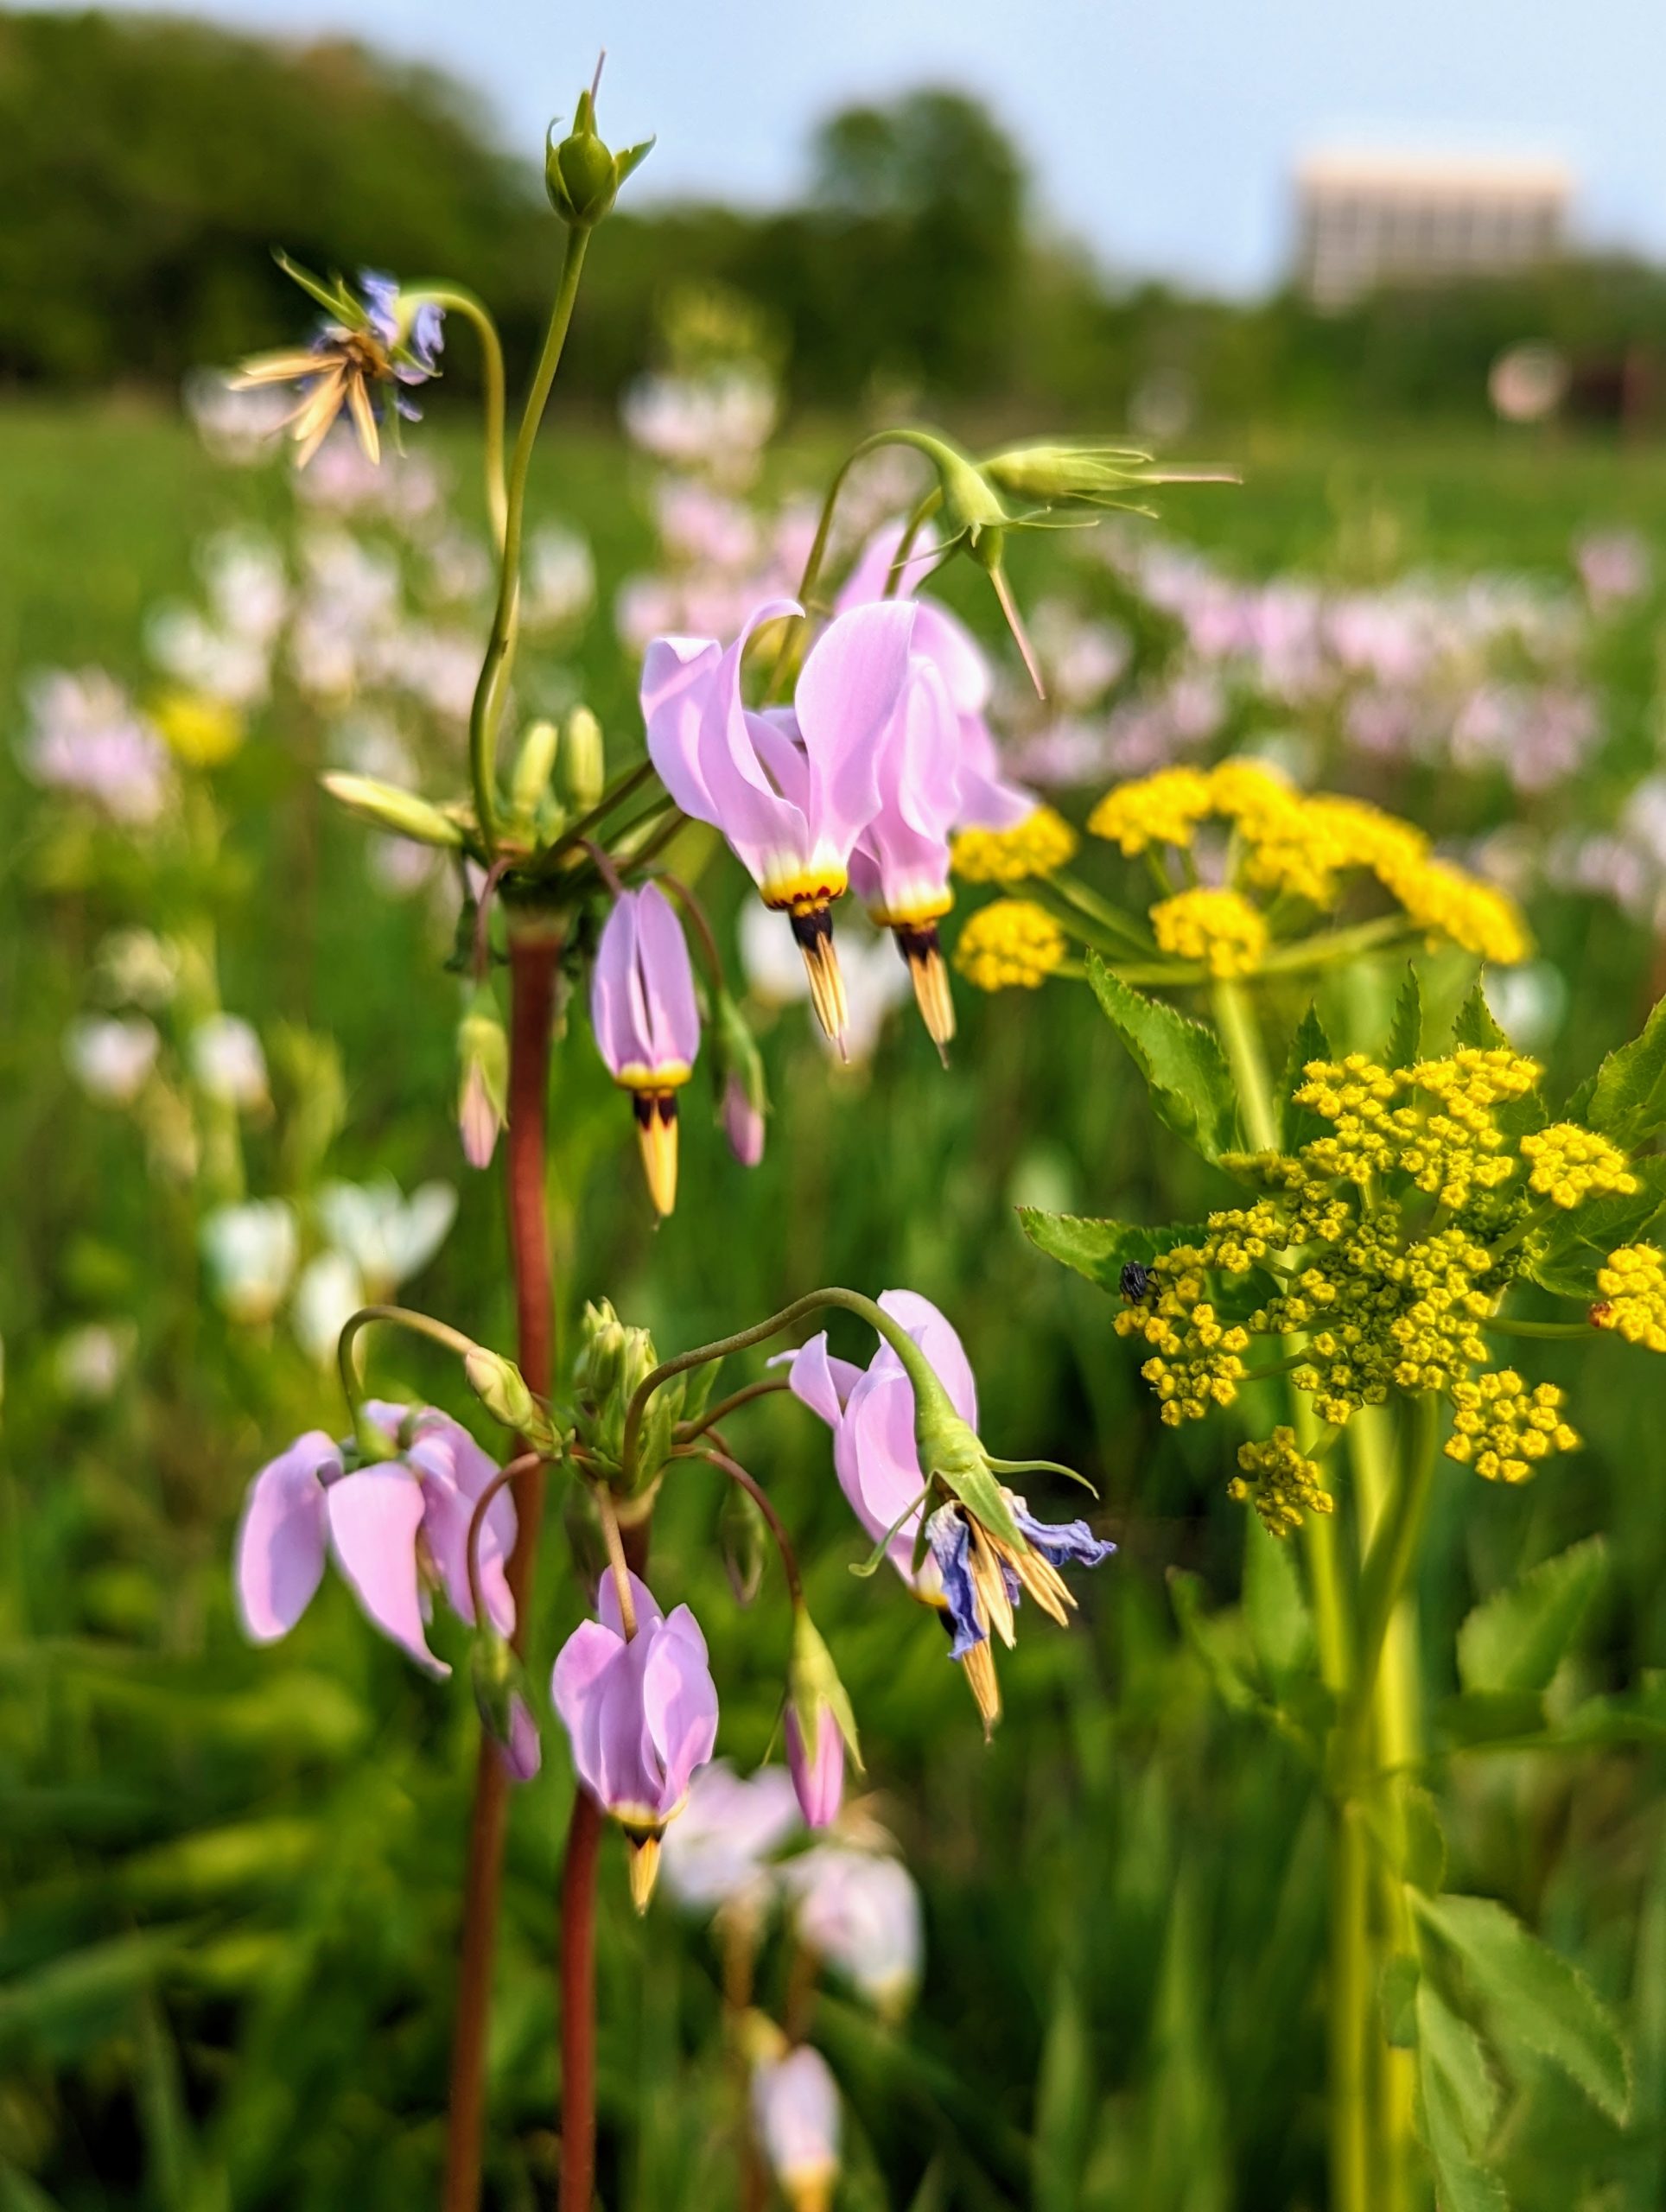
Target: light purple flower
<point>871,1413</point>
<point>717,1852</point>
<point>795,2110</point>
<point>398,1528</point>
<point>642,1713</point>
<point>86,738</point>
<point>860,1911</point>
<point>791,791</point>
<point>743,1121</point>
<point>818,1776</point>
<point>646,1023</point>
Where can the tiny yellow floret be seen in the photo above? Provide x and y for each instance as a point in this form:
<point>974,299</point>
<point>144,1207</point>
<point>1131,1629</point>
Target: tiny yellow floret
<point>197,730</point>
<point>1040,843</point>
<point>1570,1163</point>
<point>1221,929</point>
<point>1633,1286</point>
<point>1010,943</point>
<point>1160,809</point>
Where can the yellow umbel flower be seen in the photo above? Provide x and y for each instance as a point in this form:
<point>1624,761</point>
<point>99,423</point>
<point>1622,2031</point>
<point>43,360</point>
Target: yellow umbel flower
<point>1281,1482</point>
<point>1219,928</point>
<point>200,731</point>
<point>1501,1428</point>
<point>1040,843</point>
<point>1633,1286</point>
<point>1011,942</point>
<point>1570,1163</point>
<point>1160,809</point>
<point>1446,902</point>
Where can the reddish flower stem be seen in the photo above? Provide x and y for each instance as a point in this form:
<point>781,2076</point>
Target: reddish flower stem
<point>578,1971</point>
<point>533,956</point>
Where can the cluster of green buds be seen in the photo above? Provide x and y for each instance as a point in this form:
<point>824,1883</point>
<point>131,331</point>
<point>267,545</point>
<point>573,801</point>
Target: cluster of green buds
<point>614,1358</point>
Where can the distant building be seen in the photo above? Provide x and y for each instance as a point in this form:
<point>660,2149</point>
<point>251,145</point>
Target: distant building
<point>1372,219</point>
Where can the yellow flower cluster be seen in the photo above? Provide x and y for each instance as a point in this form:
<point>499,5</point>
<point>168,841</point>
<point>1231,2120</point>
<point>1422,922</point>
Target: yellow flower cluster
<point>1197,1358</point>
<point>1501,1428</point>
<point>1010,943</point>
<point>1219,928</point>
<point>1280,1482</point>
<point>1300,846</point>
<point>1570,1163</point>
<point>1445,1137</point>
<point>1042,841</point>
<point>1160,809</point>
<point>1633,1286</point>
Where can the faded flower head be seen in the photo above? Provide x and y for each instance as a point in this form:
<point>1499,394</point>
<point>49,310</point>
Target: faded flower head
<point>372,348</point>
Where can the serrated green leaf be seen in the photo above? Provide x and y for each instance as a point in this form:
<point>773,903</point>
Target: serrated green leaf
<point>1461,2101</point>
<point>1193,1092</point>
<point>1551,2006</point>
<point>1484,1717</point>
<point>1298,1126</point>
<point>1628,1099</point>
<point>1475,1025</point>
<point>1405,1045</point>
<point>1101,1250</point>
<point>1517,1638</point>
<point>1565,1256</point>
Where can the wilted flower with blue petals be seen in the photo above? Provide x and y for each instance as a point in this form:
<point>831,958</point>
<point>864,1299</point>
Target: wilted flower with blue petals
<point>372,346</point>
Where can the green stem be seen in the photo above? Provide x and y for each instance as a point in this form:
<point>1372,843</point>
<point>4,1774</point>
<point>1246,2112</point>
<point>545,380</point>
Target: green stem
<point>1502,1328</point>
<point>1235,1019</point>
<point>1089,902</point>
<point>918,1368</point>
<point>370,1441</point>
<point>1389,1559</point>
<point>500,647</point>
<point>456,301</point>
<point>1325,950</point>
<point>916,522</point>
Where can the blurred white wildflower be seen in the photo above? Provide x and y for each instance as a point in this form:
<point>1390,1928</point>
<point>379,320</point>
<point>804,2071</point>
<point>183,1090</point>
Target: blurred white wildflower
<point>385,1234</point>
<point>238,429</point>
<point>89,1362</point>
<point>111,1057</point>
<point>859,1912</point>
<point>136,967</point>
<point>795,2111</point>
<point>561,578</point>
<point>327,1293</point>
<point>715,1853</point>
<point>228,1062</point>
<point>251,1251</point>
<point>86,737</point>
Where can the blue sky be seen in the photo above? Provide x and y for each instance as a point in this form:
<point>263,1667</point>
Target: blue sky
<point>1161,132</point>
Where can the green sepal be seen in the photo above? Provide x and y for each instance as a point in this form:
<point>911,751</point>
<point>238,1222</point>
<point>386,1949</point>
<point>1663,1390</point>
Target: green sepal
<point>335,299</point>
<point>1043,1467</point>
<point>875,1558</point>
<point>814,1689</point>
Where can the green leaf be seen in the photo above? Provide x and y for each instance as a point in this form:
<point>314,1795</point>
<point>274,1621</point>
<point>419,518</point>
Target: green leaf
<point>1206,1639</point>
<point>1475,1025</point>
<point>1297,1125</point>
<point>1461,2102</point>
<point>1275,1610</point>
<point>1516,1640</point>
<point>1628,1100</point>
<point>1425,1861</point>
<point>1063,2095</point>
<point>1405,1045</point>
<point>1193,1092</point>
<point>1487,1717</point>
<point>1565,1256</point>
<point>1101,1250</point>
<point>1551,2006</point>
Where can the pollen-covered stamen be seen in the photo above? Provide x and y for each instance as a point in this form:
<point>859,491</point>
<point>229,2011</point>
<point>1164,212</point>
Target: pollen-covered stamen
<point>645,1868</point>
<point>920,947</point>
<point>978,1666</point>
<point>813,926</point>
<point>1040,1577</point>
<point>985,1559</point>
<point>656,1129</point>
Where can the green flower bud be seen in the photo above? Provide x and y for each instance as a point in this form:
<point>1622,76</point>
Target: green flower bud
<point>483,1087</point>
<point>743,1542</point>
<point>581,174</point>
<point>613,1360</point>
<point>814,1688</point>
<point>583,761</point>
<point>502,1698</point>
<point>534,765</point>
<point>388,808</point>
<point>502,1389</point>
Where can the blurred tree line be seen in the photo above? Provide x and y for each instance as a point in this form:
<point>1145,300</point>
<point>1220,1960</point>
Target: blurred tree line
<point>148,166</point>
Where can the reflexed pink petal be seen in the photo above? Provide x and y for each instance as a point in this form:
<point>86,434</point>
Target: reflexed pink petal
<point>584,1665</point>
<point>455,1471</point>
<point>613,995</point>
<point>679,1703</point>
<point>667,980</point>
<point>375,1515</point>
<point>935,1335</point>
<point>988,800</point>
<point>648,1614</point>
<point>877,1460</point>
<point>847,694</point>
<point>677,677</point>
<point>901,863</point>
<point>281,1540</point>
<point>820,1381</point>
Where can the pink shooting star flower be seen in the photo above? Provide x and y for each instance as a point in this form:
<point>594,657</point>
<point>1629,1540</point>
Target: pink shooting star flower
<point>647,1023</point>
<point>791,789</point>
<point>640,1711</point>
<point>795,2111</point>
<point>398,1527</point>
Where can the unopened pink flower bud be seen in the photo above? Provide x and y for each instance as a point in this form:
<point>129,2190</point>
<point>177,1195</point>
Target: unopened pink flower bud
<point>743,1124</point>
<point>795,2108</point>
<point>817,1772</point>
